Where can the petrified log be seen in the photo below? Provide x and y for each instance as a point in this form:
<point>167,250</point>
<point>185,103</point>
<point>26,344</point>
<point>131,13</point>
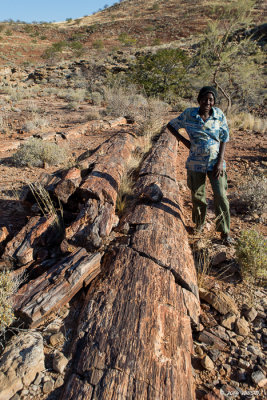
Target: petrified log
<point>99,192</point>
<point>134,332</point>
<point>93,224</point>
<point>38,232</point>
<point>50,291</point>
<point>104,180</point>
<point>135,336</point>
<point>71,179</point>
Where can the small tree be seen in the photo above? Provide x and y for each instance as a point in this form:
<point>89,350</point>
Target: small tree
<point>161,73</point>
<point>227,57</point>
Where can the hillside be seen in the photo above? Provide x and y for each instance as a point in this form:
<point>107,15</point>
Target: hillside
<point>129,24</point>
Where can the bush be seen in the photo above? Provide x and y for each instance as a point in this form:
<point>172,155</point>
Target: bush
<point>73,106</point>
<point>251,253</point>
<point>36,152</point>
<point>77,95</point>
<point>252,195</point>
<point>98,44</point>
<point>161,73</point>
<point>7,287</point>
<point>35,123</point>
<point>92,116</point>
<point>96,98</point>
<point>126,40</point>
<point>147,113</point>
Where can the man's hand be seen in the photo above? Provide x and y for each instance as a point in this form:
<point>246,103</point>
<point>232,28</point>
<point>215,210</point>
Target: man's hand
<point>179,137</point>
<point>218,169</point>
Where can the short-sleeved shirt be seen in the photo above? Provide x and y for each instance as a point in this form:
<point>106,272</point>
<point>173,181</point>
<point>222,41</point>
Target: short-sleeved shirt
<point>205,137</point>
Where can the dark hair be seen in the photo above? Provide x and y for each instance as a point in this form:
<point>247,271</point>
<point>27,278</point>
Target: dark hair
<point>205,90</point>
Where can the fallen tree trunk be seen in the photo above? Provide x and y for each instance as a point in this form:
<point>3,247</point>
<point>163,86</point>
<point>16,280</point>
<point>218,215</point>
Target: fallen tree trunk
<point>134,332</point>
<point>38,233</point>
<point>99,192</point>
<point>69,183</point>
<point>54,288</point>
<point>104,180</point>
<point>135,336</point>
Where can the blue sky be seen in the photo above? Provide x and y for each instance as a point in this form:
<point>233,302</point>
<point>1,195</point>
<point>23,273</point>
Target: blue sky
<point>49,10</point>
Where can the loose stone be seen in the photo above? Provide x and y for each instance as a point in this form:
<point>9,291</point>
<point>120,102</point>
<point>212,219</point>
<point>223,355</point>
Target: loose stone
<point>57,338</point>
<point>241,327</point>
<point>257,377</point>
<point>48,386</point>
<point>59,362</point>
<point>207,363</point>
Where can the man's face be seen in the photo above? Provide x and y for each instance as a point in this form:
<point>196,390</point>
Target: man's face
<point>206,102</point>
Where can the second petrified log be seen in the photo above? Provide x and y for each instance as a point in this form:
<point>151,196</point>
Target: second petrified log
<point>54,288</point>
<point>99,192</point>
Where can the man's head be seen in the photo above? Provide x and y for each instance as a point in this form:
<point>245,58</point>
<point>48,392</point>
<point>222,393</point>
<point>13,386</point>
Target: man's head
<point>205,90</point>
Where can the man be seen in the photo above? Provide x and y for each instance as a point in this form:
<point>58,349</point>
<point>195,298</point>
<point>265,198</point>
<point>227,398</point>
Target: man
<point>207,129</point>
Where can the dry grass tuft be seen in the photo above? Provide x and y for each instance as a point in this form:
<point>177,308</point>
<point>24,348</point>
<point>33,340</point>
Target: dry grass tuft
<point>36,123</point>
<point>124,193</point>
<point>147,113</point>
<point>247,121</point>
<point>93,116</point>
<point>46,204</point>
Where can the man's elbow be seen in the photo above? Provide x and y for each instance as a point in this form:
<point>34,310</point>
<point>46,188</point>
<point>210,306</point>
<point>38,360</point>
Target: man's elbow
<point>171,128</point>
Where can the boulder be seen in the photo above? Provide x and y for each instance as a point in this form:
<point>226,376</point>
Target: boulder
<point>20,362</point>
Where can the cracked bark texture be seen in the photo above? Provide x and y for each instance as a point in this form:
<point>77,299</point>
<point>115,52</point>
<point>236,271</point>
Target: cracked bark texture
<point>99,192</point>
<point>134,334</point>
<point>55,287</point>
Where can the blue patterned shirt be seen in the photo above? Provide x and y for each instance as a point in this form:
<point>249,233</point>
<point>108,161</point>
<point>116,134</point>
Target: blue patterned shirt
<point>205,137</point>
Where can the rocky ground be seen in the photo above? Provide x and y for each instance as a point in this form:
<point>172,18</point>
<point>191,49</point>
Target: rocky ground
<point>229,359</point>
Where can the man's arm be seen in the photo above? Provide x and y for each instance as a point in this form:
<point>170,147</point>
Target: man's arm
<point>218,168</point>
<point>178,136</point>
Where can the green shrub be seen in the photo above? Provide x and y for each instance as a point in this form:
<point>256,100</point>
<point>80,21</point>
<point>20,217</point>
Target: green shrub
<point>155,7</point>
<point>126,40</point>
<point>36,152</point>
<point>98,44</point>
<point>161,73</point>
<point>251,253</point>
<point>76,45</point>
<point>56,48</point>
<point>156,42</point>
